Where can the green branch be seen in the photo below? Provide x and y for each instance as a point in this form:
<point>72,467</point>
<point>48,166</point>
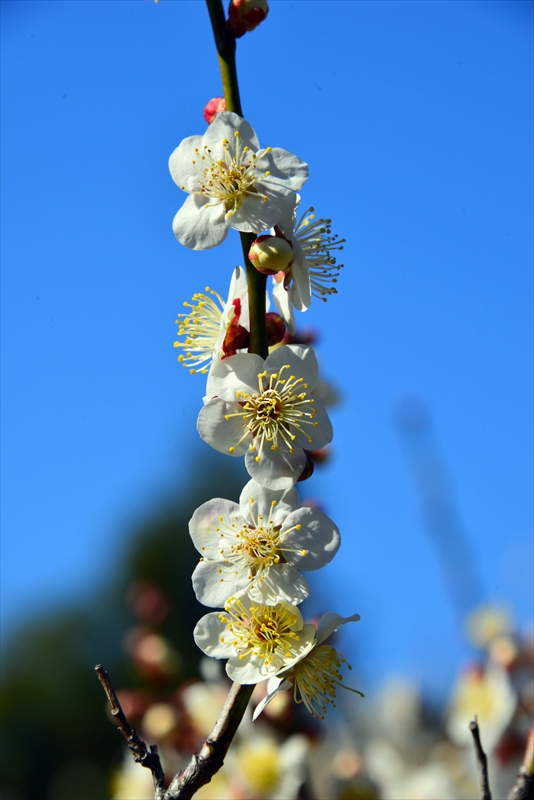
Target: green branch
<point>226,47</point>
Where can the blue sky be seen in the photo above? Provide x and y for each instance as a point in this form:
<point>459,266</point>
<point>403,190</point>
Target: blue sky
<point>416,120</point>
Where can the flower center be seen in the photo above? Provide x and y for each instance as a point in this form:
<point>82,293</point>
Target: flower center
<point>229,179</point>
<point>316,679</point>
<point>257,547</point>
<point>315,238</point>
<point>278,411</point>
<point>263,631</point>
<point>200,327</point>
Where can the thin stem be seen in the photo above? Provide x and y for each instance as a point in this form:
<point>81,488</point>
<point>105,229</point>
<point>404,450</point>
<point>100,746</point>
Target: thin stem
<point>481,760</point>
<point>523,788</point>
<point>225,43</point>
<point>138,749</point>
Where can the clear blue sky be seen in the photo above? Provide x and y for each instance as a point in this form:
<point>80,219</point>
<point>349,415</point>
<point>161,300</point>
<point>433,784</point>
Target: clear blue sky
<point>416,120</point>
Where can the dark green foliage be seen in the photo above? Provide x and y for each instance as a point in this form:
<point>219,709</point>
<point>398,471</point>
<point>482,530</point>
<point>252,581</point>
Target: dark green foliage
<point>54,729</point>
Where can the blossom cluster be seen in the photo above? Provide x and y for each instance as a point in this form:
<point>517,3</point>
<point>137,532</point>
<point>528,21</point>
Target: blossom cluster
<point>265,409</point>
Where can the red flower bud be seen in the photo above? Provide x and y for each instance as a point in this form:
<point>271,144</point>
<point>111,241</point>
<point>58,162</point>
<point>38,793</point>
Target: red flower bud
<point>214,107</point>
<point>237,337</point>
<point>275,328</point>
<point>245,15</point>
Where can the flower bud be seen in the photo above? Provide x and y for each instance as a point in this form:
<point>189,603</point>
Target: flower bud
<point>237,337</point>
<point>245,15</point>
<point>214,107</point>
<point>275,328</point>
<point>270,254</point>
<point>307,472</point>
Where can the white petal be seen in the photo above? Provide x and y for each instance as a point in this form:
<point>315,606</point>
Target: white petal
<point>281,582</point>
<point>300,289</point>
<point>287,170</point>
<point>223,127</point>
<point>280,685</point>
<point>205,520</point>
<point>254,215</point>
<point>200,226</point>
<point>237,373</point>
<point>283,305</point>
<point>215,582</point>
<point>318,535</point>
<point>329,623</point>
<point>321,434</point>
<point>276,469</point>
<point>301,359</point>
<point>181,165</point>
<point>208,634</point>
<point>289,216</point>
<point>219,432</point>
<point>249,669</point>
<point>286,502</point>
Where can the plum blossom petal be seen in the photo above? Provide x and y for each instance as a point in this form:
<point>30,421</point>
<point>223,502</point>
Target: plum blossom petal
<point>330,623</point>
<point>256,501</point>
<point>226,438</point>
<point>274,686</point>
<point>214,582</point>
<point>231,182</point>
<point>277,469</point>
<point>199,225</point>
<point>314,539</point>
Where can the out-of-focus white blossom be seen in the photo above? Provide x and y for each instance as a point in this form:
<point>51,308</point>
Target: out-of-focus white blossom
<point>484,693</point>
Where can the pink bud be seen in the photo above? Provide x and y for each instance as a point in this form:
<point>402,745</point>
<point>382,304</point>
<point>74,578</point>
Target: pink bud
<point>214,107</point>
<point>245,15</point>
<point>270,254</point>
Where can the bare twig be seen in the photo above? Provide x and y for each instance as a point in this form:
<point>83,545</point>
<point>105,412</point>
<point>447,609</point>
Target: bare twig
<point>210,759</point>
<point>203,765</point>
<point>482,761</point>
<point>147,758</point>
<point>523,788</point>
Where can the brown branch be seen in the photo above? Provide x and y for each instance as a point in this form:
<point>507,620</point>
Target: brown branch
<point>482,761</point>
<point>210,759</point>
<point>203,765</point>
<point>147,758</point>
<point>523,788</point>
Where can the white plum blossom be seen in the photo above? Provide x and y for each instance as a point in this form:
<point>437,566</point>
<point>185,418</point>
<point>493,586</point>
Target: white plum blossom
<point>314,270</point>
<point>265,410</point>
<point>231,182</point>
<point>316,676</point>
<point>258,640</point>
<point>211,328</point>
<point>259,545</point>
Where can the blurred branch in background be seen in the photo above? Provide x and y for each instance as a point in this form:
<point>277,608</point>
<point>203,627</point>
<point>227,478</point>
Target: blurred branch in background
<point>438,510</point>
